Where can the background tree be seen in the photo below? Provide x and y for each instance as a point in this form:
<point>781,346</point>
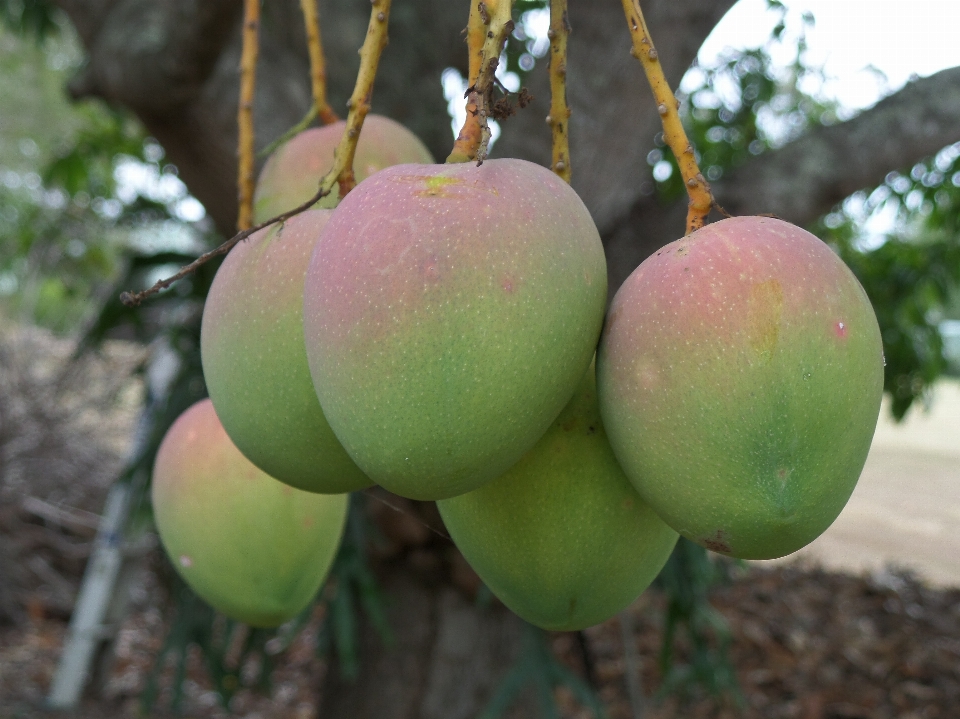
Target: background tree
<point>175,67</point>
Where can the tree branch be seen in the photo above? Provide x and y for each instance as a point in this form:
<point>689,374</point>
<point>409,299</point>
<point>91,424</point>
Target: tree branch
<point>805,178</point>
<point>150,55</point>
<point>559,117</point>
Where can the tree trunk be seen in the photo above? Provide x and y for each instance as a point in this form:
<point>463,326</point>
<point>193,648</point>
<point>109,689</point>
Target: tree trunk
<point>445,660</point>
<point>448,652</point>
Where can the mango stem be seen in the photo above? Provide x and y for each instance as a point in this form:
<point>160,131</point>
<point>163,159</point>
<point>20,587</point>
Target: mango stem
<point>245,132</point>
<point>488,28</point>
<point>318,63</point>
<point>698,191</point>
<point>559,110</point>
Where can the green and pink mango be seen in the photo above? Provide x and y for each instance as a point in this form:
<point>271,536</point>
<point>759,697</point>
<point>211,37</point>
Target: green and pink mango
<point>253,548</point>
<point>292,174</point>
<point>562,538</point>
<point>740,375</point>
<point>255,363</point>
<point>449,314</point>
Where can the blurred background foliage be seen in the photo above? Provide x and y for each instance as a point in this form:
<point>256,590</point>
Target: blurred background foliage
<point>83,193</point>
<point>89,208</point>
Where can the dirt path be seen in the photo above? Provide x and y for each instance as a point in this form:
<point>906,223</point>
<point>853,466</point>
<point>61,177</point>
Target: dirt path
<point>906,508</point>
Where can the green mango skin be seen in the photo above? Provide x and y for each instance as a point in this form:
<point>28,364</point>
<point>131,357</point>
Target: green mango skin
<point>291,175</point>
<point>255,363</point>
<point>740,375</point>
<point>562,538</point>
<point>253,548</point>
<point>449,314</point>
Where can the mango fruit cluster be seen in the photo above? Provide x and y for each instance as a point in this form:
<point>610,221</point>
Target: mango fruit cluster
<point>442,333</point>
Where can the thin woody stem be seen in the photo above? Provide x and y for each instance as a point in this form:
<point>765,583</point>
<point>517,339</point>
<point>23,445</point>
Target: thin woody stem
<point>304,123</point>
<point>359,102</point>
<point>701,200</point>
<point>133,299</point>
<point>318,64</point>
<point>342,170</point>
<point>248,80</point>
<point>559,110</point>
<point>495,21</point>
<point>465,148</point>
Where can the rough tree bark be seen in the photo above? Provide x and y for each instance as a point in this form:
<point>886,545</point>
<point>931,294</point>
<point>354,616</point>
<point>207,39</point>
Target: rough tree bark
<point>175,64</point>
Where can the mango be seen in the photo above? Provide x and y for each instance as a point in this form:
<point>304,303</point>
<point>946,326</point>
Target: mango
<point>255,363</point>
<point>562,538</point>
<point>449,314</point>
<point>291,175</point>
<point>740,374</point>
<point>253,548</point>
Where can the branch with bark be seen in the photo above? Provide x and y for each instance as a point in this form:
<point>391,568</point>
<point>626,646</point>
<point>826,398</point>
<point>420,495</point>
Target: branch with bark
<point>149,56</point>
<point>806,178</point>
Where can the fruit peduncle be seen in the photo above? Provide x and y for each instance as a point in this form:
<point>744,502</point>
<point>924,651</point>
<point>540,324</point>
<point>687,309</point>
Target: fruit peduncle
<point>245,132</point>
<point>559,109</point>
<point>701,199</point>
<point>488,28</point>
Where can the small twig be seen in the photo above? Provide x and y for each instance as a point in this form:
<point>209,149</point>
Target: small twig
<point>722,211</point>
<point>291,133</point>
<point>559,109</point>
<point>76,520</point>
<point>701,200</point>
<point>370,492</point>
<point>248,79</point>
<point>489,27</point>
<point>133,299</point>
<point>318,64</point>
<point>342,170</point>
<point>465,148</point>
<point>359,102</point>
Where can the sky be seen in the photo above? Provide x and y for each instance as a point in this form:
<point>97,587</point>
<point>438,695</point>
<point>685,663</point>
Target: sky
<point>899,38</point>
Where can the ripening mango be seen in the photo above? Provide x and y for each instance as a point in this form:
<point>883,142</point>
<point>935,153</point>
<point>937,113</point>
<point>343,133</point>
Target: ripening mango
<point>255,363</point>
<point>253,548</point>
<point>449,314</point>
<point>562,538</point>
<point>740,375</point>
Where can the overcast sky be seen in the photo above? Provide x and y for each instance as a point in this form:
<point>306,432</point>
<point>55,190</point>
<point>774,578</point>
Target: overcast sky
<point>896,36</point>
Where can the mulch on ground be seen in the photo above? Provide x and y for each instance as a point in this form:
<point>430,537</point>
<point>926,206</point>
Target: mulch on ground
<point>813,644</point>
<point>806,644</point>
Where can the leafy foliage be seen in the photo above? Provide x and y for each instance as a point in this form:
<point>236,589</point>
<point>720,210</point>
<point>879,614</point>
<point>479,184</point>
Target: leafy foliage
<point>30,17</point>
<point>63,232</point>
<point>910,270</point>
<point>352,586</point>
<point>99,194</point>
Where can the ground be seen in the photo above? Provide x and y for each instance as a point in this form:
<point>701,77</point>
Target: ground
<point>807,644</point>
<point>854,640</point>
